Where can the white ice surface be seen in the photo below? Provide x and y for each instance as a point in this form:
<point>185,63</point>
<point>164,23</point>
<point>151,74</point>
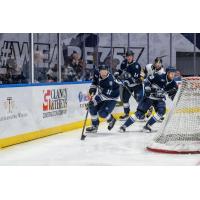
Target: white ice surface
<point>104,148</point>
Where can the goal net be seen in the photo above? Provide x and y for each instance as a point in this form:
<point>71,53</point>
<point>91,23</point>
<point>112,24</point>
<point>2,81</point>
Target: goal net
<point>180,132</point>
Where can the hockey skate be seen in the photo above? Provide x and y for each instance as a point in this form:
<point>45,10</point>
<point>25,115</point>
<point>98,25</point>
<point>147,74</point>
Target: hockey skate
<point>161,119</point>
<point>122,129</point>
<point>147,129</point>
<point>111,123</point>
<point>92,129</point>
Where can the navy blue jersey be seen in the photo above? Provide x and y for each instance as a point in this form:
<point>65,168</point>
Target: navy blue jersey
<point>131,72</point>
<point>160,86</point>
<point>108,87</point>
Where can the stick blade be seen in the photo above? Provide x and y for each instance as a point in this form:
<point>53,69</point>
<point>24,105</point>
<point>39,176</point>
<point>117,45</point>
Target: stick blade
<point>83,137</point>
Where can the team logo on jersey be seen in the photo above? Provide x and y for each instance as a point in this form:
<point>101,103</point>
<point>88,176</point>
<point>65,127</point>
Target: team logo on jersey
<point>151,77</point>
<point>110,83</point>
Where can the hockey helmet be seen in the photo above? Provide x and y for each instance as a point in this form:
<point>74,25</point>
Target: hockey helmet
<point>170,69</point>
<point>158,60</point>
<point>129,53</point>
<point>103,67</point>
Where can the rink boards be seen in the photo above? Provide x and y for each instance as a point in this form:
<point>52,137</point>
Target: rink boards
<point>31,111</point>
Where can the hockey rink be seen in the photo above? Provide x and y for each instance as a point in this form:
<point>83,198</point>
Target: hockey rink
<point>105,148</point>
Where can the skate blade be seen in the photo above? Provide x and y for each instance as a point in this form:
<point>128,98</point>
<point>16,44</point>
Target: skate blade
<point>121,131</point>
<point>147,131</point>
<point>91,131</point>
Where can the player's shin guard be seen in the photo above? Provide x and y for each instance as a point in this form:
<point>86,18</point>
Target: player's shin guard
<point>128,122</point>
<point>126,111</point>
<point>126,108</point>
<point>95,124</point>
<point>95,120</point>
<point>151,121</point>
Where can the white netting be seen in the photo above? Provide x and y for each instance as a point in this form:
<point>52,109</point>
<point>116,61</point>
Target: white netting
<point>180,132</point>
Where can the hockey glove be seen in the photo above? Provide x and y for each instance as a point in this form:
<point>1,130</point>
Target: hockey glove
<point>160,93</point>
<point>92,91</point>
<point>125,84</point>
<point>147,91</point>
<point>171,93</point>
<point>116,75</point>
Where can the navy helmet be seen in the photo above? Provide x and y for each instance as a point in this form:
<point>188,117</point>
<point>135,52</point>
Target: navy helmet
<point>129,53</point>
<point>103,67</point>
<point>170,69</point>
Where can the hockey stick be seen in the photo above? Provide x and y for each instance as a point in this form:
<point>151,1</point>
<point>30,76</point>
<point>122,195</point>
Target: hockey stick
<point>162,56</point>
<point>125,87</point>
<point>83,136</point>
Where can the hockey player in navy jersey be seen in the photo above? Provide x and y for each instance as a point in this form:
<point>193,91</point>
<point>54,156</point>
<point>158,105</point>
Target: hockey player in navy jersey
<point>156,88</point>
<point>151,70</point>
<point>130,71</point>
<point>104,94</point>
